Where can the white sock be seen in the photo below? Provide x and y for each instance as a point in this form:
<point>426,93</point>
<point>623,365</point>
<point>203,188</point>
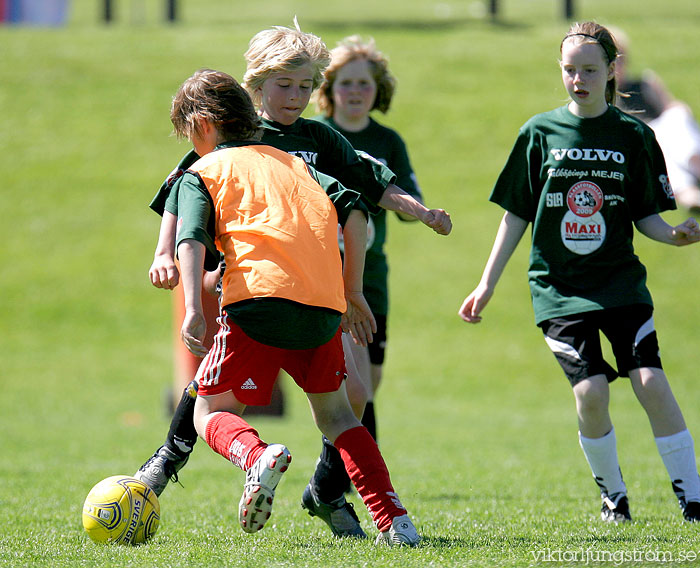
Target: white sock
<point>601,454</point>
<point>678,453</point>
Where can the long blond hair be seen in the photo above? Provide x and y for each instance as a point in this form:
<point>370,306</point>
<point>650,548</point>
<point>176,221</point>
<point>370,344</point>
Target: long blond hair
<point>283,49</point>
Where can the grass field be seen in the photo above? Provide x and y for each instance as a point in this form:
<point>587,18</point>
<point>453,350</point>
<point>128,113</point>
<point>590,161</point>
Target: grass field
<point>476,424</point>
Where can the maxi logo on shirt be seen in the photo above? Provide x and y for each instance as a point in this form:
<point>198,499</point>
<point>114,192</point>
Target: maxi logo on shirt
<point>583,226</point>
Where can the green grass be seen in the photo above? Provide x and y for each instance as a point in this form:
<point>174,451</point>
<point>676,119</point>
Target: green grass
<point>476,423</point>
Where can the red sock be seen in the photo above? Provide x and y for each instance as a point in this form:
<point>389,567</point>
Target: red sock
<point>367,470</point>
<point>235,439</point>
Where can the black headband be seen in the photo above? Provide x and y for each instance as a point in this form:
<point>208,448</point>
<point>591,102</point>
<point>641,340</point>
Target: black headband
<point>597,40</point>
<point>581,34</point>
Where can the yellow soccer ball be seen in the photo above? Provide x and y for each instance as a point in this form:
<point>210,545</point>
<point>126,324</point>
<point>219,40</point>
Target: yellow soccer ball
<point>121,509</point>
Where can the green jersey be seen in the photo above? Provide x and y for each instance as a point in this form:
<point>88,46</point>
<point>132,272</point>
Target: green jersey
<point>388,147</point>
<point>319,146</point>
<point>582,183</point>
<point>329,152</point>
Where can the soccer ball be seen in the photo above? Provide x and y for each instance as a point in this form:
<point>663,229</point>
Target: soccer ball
<point>584,199</point>
<point>121,509</point>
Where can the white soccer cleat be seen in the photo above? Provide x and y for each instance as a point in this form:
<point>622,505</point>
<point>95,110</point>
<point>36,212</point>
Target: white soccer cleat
<point>262,478</point>
<point>401,533</point>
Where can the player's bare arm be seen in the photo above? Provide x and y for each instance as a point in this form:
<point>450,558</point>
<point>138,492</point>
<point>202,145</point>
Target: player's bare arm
<point>191,254</point>
<point>358,318</point>
<point>163,272</point>
<point>396,199</point>
<point>510,231</point>
<point>657,229</point>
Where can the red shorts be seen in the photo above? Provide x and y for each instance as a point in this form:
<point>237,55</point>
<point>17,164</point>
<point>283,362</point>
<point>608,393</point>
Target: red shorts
<point>249,368</point>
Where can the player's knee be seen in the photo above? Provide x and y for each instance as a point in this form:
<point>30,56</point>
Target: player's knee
<point>591,396</point>
<point>651,384</point>
<point>333,424</point>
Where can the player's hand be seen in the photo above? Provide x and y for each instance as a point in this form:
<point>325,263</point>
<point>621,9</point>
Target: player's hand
<point>163,272</point>
<point>474,303</point>
<point>439,221</point>
<point>686,233</point>
<point>194,328</point>
<point>358,319</point>
<point>210,280</point>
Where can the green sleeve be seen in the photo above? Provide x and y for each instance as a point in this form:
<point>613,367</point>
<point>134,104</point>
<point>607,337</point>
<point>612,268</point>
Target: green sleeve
<point>354,169</point>
<point>159,203</point>
<point>344,199</point>
<point>195,218</point>
<point>653,192</point>
<point>171,201</point>
<point>513,190</point>
<point>382,175</point>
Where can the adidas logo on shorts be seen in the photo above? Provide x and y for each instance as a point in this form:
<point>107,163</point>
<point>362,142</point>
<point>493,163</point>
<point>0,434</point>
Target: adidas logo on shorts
<point>249,385</point>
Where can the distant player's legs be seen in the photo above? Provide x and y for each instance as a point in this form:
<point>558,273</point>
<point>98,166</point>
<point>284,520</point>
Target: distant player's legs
<point>365,465</point>
<point>373,362</point>
<point>324,496</point>
<point>360,355</point>
<point>358,388</point>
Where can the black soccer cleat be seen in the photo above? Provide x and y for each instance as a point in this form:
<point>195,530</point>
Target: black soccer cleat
<point>339,515</point>
<point>161,468</point>
<point>691,511</point>
<point>615,509</point>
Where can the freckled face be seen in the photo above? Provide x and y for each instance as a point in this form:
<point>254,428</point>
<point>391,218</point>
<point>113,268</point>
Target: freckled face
<point>585,73</point>
<point>354,90</point>
<point>286,94</point>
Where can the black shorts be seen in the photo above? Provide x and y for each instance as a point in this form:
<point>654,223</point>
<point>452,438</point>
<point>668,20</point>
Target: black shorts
<point>378,345</point>
<point>575,341</point>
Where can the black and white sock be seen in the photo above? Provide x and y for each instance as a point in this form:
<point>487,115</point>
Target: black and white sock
<point>678,453</point>
<point>601,454</point>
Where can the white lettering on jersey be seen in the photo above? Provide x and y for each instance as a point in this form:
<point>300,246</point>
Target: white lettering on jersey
<point>309,157</point>
<point>555,199</point>
<point>614,199</point>
<point>609,175</point>
<point>587,154</point>
<point>565,173</point>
